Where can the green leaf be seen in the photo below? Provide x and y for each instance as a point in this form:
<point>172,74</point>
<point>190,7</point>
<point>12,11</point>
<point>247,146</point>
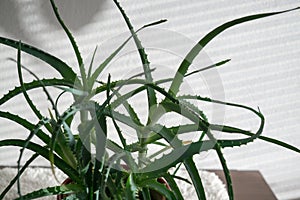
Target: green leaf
<point>182,70</point>
<point>226,172</point>
<point>29,101</point>
<point>63,189</point>
<point>131,188</point>
<point>274,141</point>
<point>61,164</point>
<point>174,187</point>
<point>176,156</point>
<point>74,91</point>
<point>102,66</point>
<point>13,181</point>
<point>155,23</point>
<point>195,177</point>
<point>208,67</point>
<point>33,132</point>
<point>159,187</point>
<point>224,128</point>
<point>66,72</point>
<point>26,124</point>
<point>34,84</point>
<point>144,57</point>
<point>57,135</point>
<point>146,194</point>
<point>91,64</point>
<point>72,40</point>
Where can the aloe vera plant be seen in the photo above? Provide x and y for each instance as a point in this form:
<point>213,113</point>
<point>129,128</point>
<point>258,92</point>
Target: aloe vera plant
<point>112,171</point>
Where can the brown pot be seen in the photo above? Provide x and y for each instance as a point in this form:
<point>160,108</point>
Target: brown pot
<point>156,195</point>
<point>62,196</point>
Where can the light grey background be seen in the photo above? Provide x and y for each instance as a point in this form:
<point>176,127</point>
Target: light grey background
<point>264,70</point>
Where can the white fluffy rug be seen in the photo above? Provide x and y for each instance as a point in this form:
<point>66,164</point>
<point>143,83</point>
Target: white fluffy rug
<point>36,178</point>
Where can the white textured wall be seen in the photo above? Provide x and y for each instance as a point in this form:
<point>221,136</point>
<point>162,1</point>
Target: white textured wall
<point>264,70</point>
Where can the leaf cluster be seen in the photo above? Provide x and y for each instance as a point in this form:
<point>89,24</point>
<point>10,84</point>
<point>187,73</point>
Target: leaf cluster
<point>112,171</point>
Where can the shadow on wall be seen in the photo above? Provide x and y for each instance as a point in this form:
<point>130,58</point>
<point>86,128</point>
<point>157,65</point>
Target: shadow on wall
<point>9,18</point>
<point>17,15</point>
<point>75,13</point>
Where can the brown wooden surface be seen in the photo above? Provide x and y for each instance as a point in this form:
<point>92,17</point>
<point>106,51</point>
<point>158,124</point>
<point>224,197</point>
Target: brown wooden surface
<point>248,185</point>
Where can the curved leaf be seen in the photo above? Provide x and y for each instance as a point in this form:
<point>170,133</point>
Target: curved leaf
<point>144,57</point>
<point>159,187</point>
<point>195,177</point>
<point>185,64</point>
<point>61,164</point>
<point>26,124</point>
<point>63,189</point>
<point>131,189</point>
<point>35,84</point>
<point>13,181</point>
<point>66,72</point>
<point>226,172</point>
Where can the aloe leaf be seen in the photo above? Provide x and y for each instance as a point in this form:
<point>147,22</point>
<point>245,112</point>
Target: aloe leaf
<point>155,23</point>
<point>207,99</point>
<point>277,142</point>
<point>66,72</point>
<point>273,141</point>
<point>131,188</point>
<point>121,99</point>
<point>26,124</point>
<point>63,189</point>
<point>27,98</point>
<point>101,135</point>
<point>226,172</point>
<point>146,194</point>
<point>127,106</point>
<point>123,140</point>
<point>102,66</point>
<point>192,128</point>
<point>29,101</point>
<point>167,134</point>
<point>159,152</point>
<point>185,64</point>
<point>121,137</point>
<point>193,108</point>
<point>74,91</point>
<point>223,128</point>
<point>67,145</point>
<point>126,96</point>
<point>44,89</point>
<point>67,154</point>
<point>185,112</point>
<point>182,179</point>
<point>122,118</point>
<point>34,84</point>
<point>144,58</point>
<point>91,64</point>
<point>13,181</point>
<point>33,132</point>
<point>61,164</point>
<point>114,84</point>
<point>29,126</point>
<point>195,177</point>
<point>72,40</point>
<point>56,134</point>
<point>159,187</point>
<point>208,67</point>
<point>177,155</point>
<point>203,125</point>
<point>174,187</point>
<point>176,130</point>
